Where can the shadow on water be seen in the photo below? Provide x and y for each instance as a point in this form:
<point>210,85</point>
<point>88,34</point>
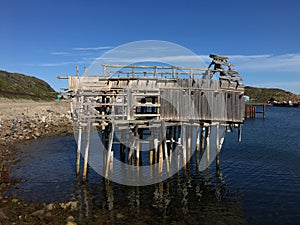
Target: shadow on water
<point>188,197</point>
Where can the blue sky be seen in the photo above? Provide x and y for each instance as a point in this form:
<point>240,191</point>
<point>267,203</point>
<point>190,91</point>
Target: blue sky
<point>48,38</point>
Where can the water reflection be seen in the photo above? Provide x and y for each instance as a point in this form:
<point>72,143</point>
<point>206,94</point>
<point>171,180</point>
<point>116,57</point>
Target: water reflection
<point>186,198</point>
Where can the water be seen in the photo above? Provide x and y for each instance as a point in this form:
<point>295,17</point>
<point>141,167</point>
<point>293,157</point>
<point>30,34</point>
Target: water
<point>260,181</point>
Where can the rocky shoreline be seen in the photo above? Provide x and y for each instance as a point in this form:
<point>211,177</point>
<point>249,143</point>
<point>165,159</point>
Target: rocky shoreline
<point>43,119</point>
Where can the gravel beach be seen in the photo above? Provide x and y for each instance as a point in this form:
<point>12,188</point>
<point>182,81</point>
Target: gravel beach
<point>22,120</point>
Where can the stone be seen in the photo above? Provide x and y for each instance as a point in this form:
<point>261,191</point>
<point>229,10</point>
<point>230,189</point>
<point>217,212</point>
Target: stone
<point>14,200</point>
<point>71,219</point>
<point>120,216</point>
<point>50,206</point>
<point>73,205</point>
<point>71,223</point>
<point>38,213</point>
<point>37,134</point>
<point>4,213</point>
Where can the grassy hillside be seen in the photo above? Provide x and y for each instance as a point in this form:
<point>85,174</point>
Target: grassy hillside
<point>262,95</point>
<point>14,85</point>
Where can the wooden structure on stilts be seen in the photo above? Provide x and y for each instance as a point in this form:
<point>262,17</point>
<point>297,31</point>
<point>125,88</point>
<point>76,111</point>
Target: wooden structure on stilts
<point>175,105</point>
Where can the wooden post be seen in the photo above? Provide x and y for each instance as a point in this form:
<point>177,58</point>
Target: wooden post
<point>203,139</point>
<point>137,142</point>
<point>240,133</point>
<point>198,139</point>
<point>183,145</point>
<point>109,150</point>
<point>78,150</point>
<point>160,162</point>
<point>151,157</point>
<point>151,147</point>
<point>218,150</point>
<point>155,150</point>
<point>122,147</point>
<point>86,153</point>
<point>207,145</point>
<point>179,146</point>
<point>189,142</point>
<point>166,147</point>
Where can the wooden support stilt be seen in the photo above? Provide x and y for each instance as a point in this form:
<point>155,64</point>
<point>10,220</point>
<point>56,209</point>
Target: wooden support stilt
<point>111,161</point>
<point>164,145</point>
<point>78,150</point>
<point>160,162</point>
<point>189,142</point>
<point>122,146</point>
<point>218,150</point>
<point>167,155</point>
<point>203,131</point>
<point>198,139</point>
<point>109,150</point>
<point>207,145</point>
<point>137,142</point>
<point>183,145</point>
<point>180,148</point>
<point>240,133</point>
<point>155,150</point>
<point>151,157</point>
<point>86,152</point>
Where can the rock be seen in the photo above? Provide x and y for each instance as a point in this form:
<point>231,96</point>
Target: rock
<point>21,137</point>
<point>38,213</point>
<point>37,134</point>
<point>14,200</point>
<point>50,206</point>
<point>120,216</point>
<point>73,205</point>
<point>70,219</point>
<point>4,213</point>
<point>71,223</point>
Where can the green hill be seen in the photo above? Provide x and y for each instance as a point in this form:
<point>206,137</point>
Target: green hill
<point>263,95</point>
<point>15,85</point>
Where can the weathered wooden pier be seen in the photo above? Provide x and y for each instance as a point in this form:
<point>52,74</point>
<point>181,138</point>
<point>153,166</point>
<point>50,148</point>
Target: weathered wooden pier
<point>162,107</point>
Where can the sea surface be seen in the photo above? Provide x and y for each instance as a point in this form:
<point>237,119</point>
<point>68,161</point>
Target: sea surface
<point>259,183</point>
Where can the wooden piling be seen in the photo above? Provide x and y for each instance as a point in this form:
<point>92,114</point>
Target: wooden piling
<point>86,152</point>
<point>155,150</point>
<point>137,142</point>
<point>78,150</point>
<point>198,139</point>
<point>203,131</point>
<point>109,150</point>
<point>184,145</point>
<point>218,149</point>
<point>207,145</point>
<point>160,162</point>
<point>189,142</point>
<point>240,133</point>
